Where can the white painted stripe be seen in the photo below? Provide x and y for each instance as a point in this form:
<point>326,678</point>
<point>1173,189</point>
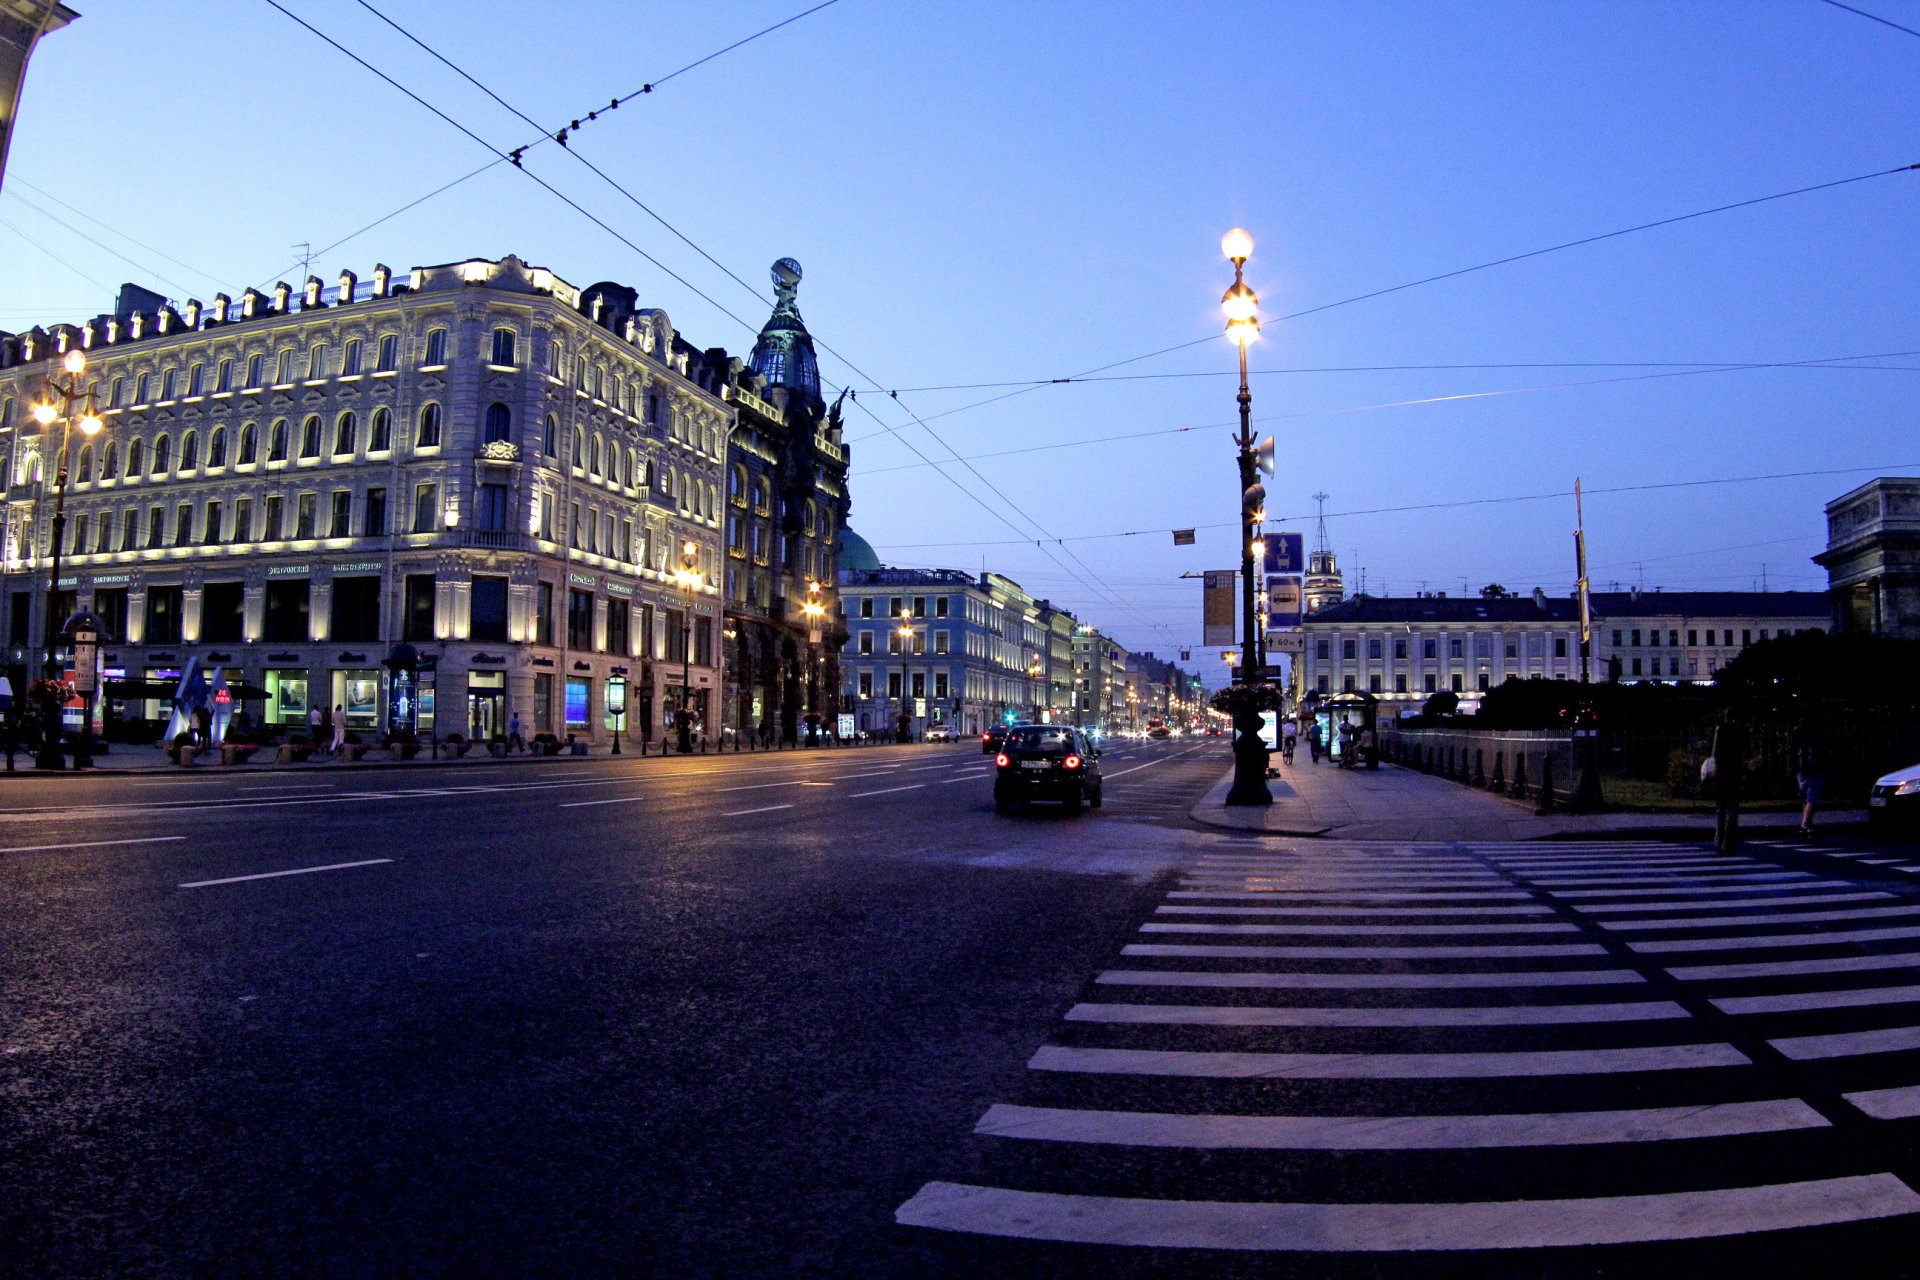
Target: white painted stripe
<point>1149,764</point>
<point>1358,930</point>
<point>754,786</point>
<point>1422,912</point>
<point>1783,917</point>
<point>1532,951</point>
<point>1321,1228</point>
<point>1535,1015</point>
<point>589,804</point>
<point>950,781</point>
<point>1802,1001</point>
<point>1822,938</point>
<point>92,844</point>
<point>1561,866</point>
<point>1669,890</point>
<point>886,791</point>
<point>1705,879</point>
<point>1509,980</point>
<point>1688,904</point>
<point>876,773</point>
<point>1794,968</point>
<point>1357,880</point>
<point>1848,1044</point>
<point>1901,1103</point>
<point>771,808</point>
<point>927,768</point>
<point>1397,1133</point>
<point>1384,1066</point>
<point>1323,895</point>
<point>297,871</point>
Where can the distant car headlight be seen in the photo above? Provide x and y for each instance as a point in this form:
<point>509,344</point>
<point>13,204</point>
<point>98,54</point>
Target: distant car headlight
<point>1909,788</point>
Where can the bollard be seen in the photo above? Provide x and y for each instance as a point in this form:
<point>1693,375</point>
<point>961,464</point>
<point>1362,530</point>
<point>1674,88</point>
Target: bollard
<point>1546,786</point>
<point>1480,767</point>
<point>1519,791</point>
<point>1499,780</point>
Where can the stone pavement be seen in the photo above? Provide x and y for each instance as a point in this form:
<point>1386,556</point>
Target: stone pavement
<point>1391,803</point>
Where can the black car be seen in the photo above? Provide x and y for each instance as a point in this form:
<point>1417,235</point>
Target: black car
<point>1046,762</point>
<point>991,740</point>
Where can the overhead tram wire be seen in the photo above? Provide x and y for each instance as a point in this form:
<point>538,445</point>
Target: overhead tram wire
<point>1116,598</point>
<point>1447,275</point>
<point>108,227</point>
<point>1823,362</point>
<point>138,266</point>
<point>1113,597</point>
<point>56,257</point>
<point>1871,17</point>
<point>512,157</point>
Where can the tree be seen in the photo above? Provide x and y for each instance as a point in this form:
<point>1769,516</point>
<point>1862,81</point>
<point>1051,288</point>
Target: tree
<point>1494,591</point>
<point>1443,703</point>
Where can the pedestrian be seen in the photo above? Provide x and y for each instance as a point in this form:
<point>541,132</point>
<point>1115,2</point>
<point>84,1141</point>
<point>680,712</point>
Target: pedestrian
<point>1810,772</point>
<point>314,735</point>
<point>1313,742</point>
<point>338,739</point>
<point>1346,744</point>
<point>515,742</point>
<point>1366,748</point>
<point>1729,768</point>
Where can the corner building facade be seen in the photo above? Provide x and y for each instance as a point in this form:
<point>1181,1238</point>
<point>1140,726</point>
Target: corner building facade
<point>478,459</point>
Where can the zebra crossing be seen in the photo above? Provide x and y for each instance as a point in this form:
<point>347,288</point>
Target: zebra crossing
<point>1877,856</point>
<point>1445,1055</point>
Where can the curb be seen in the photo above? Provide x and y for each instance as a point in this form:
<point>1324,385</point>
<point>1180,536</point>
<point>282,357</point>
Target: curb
<point>1212,812</point>
<point>342,766</point>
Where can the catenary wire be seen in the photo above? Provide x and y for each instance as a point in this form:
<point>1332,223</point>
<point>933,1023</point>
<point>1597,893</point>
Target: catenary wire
<point>1871,17</point>
<point>111,229</point>
<point>56,257</point>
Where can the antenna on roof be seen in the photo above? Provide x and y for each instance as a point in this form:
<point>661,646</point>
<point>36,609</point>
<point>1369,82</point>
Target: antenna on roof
<point>305,250</point>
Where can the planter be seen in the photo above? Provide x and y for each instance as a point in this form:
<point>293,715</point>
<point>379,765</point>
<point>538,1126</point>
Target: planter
<point>352,751</point>
<point>232,753</point>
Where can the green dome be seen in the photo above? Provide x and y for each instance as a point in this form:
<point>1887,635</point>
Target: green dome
<point>854,551</point>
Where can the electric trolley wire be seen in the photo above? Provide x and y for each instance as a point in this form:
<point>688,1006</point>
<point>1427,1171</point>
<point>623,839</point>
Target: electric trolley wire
<point>1871,17</point>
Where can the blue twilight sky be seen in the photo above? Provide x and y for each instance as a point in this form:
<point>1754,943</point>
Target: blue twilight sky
<point>998,192</point>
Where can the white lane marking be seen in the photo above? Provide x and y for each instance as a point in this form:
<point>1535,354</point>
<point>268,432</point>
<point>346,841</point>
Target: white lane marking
<point>1366,930</point>
<point>1848,1044</point>
<point>1535,1015</point>
<point>1900,1103</point>
<point>1346,1227</point>
<point>1149,764</point>
<point>1397,1133</point>
<point>927,768</point>
<point>1813,899</point>
<point>92,844</point>
<point>1422,912</point>
<point>297,871</point>
<point>758,786</point>
<point>886,791</point>
<point>876,773</point>
<point>1802,1001</point>
<point>1683,882</point>
<point>1669,890</point>
<point>1365,951</point>
<point>741,813</point>
<point>589,804</point>
<point>1199,1065</point>
<point>964,778</point>
<point>1783,917</point>
<point>1786,968</point>
<point>281,790</point>
<point>1322,895</point>
<point>1819,938</point>
<point>1365,981</point>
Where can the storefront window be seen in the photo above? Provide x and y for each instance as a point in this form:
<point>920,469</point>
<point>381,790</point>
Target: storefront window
<point>576,702</point>
<point>286,696</point>
<point>160,708</point>
<point>358,693</point>
<point>543,702</point>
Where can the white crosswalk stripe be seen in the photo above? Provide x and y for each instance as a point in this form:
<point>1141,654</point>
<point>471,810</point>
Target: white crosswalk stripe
<point>1315,1000</point>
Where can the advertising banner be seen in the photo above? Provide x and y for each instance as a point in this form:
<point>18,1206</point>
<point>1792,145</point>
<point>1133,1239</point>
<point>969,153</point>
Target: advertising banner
<point>1217,607</point>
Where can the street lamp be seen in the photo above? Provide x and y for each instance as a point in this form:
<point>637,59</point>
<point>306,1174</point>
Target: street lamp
<point>906,680</point>
<point>46,412</point>
<point>1034,668</point>
<point>689,576</point>
<point>814,610</point>
<point>1242,307</point>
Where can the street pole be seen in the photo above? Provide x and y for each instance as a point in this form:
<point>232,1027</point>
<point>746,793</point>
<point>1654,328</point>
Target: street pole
<point>46,413</point>
<point>1241,307</point>
<point>689,558</point>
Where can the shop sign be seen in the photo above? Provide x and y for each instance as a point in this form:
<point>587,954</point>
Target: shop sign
<point>488,657</point>
<point>111,579</point>
<point>619,588</point>
<point>70,582</point>
<point>358,566</point>
<point>583,579</point>
<point>289,571</point>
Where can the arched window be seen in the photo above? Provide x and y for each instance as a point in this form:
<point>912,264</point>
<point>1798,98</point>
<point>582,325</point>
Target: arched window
<point>162,455</point>
<point>429,434</point>
<point>737,485</point>
<point>812,514</point>
<point>346,434</point>
<point>135,459</point>
<point>499,425</point>
<point>310,437</point>
<point>635,476</point>
<point>550,437</point>
<point>249,445</point>
<point>380,433</point>
<point>503,347</point>
<point>189,451</point>
<point>86,463</point>
<point>277,441</point>
<point>110,461</point>
<point>713,500</point>
<point>593,455</point>
<point>217,448</point>
<point>579,449</point>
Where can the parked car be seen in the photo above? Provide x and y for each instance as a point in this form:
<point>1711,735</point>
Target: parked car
<point>941,733</point>
<point>1894,802</point>
<point>1046,762</point>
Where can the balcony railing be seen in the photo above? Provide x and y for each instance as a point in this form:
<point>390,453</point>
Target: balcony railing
<point>496,539</point>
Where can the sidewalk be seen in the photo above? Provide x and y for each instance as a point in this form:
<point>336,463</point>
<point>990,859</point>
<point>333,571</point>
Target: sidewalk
<point>1398,804</point>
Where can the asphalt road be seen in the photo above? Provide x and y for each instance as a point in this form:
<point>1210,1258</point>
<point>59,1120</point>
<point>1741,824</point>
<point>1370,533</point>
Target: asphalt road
<point>700,1016</point>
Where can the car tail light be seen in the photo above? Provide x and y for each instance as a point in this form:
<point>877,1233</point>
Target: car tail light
<point>1002,760</point>
<point>1073,762</point>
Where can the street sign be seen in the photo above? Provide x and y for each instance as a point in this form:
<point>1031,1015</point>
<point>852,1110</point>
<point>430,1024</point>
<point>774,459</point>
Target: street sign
<point>1285,553</point>
<point>1217,607</point>
<point>1283,600</point>
<point>1289,642</point>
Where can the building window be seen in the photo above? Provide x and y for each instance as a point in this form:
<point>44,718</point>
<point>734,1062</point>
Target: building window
<point>494,511</point>
<point>355,610</point>
<point>243,519</point>
<point>1430,684</point>
<point>303,509</point>
<point>277,441</point>
<point>619,636</point>
<point>222,613</point>
<point>421,604</point>
<point>380,431</point>
<point>1373,684</point>
<point>287,611</point>
<point>310,437</point>
<point>580,619</point>
<point>345,435</point>
<point>426,506</point>
<point>164,610</point>
<point>389,356</point>
<point>256,369</point>
<point>341,523</point>
<point>436,347</point>
<point>217,448</point>
<point>275,517</point>
<point>499,424</point>
<point>183,525</point>
<point>156,530</point>
<point>428,436</point>
<point>1400,684</point>
<point>1373,646</point>
<point>1400,649</point>
<point>550,437</point>
<point>350,358</point>
<point>317,360</point>
<point>866,642</point>
<point>376,515</point>
<point>1559,646</point>
<point>162,456</point>
<point>249,445</point>
<point>166,385</point>
<point>543,613</point>
<point>1457,683</point>
<point>503,347</point>
<point>487,609</point>
<point>1320,649</point>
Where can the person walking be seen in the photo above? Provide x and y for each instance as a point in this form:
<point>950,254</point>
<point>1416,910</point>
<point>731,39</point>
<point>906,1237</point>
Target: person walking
<point>515,742</point>
<point>337,740</point>
<point>314,734</point>
<point>1810,772</point>
<point>1729,770</point>
<point>1346,744</point>
<point>1313,742</point>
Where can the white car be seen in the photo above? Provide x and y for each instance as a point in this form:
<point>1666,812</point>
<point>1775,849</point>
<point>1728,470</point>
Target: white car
<point>941,733</point>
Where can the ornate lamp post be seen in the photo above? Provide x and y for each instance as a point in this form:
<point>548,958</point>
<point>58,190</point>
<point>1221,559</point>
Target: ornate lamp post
<point>57,405</point>
<point>905,722</point>
<point>814,611</point>
<point>1241,305</point>
<point>689,576</point>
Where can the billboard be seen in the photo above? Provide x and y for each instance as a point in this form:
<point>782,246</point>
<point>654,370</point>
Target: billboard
<point>1283,600</point>
<point>1285,553</point>
<point>1217,606</point>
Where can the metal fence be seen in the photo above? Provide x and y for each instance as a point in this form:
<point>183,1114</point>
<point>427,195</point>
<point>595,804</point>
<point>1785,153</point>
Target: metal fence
<point>1659,767</point>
